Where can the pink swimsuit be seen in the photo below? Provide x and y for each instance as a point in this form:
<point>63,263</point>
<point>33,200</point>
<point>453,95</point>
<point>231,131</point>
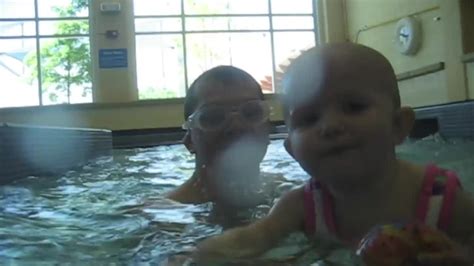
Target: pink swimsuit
<point>435,203</point>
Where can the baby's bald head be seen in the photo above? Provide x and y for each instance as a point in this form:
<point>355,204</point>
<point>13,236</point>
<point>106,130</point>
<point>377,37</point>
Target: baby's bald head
<point>336,65</point>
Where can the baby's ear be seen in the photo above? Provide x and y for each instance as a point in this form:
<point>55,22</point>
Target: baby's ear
<point>403,123</point>
<point>287,144</point>
<point>188,142</point>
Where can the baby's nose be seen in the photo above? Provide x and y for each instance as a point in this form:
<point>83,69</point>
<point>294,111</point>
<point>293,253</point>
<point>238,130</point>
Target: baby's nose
<point>331,126</point>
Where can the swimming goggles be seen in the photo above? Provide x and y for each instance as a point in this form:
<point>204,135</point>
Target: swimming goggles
<point>216,117</point>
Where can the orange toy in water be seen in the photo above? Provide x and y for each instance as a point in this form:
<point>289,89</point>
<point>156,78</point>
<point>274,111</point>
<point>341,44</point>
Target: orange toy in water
<point>397,244</point>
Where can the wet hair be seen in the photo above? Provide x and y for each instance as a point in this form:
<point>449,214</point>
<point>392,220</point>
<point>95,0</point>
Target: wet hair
<point>219,74</point>
<point>364,57</point>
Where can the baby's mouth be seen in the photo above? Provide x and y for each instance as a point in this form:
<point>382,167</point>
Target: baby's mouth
<point>338,150</point>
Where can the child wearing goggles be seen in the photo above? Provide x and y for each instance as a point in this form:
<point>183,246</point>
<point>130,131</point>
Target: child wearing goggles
<point>227,129</point>
<point>216,117</point>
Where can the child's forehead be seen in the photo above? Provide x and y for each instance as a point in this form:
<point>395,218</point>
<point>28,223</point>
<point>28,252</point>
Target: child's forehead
<point>332,71</point>
<point>327,96</point>
<point>315,80</point>
<point>226,92</point>
<point>328,89</point>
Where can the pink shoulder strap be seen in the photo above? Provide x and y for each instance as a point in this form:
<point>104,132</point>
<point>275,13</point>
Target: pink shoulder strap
<point>426,191</point>
<point>328,209</point>
<point>309,209</point>
<point>451,187</point>
<point>325,207</point>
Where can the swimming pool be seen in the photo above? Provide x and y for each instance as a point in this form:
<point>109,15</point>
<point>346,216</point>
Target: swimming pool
<point>87,215</point>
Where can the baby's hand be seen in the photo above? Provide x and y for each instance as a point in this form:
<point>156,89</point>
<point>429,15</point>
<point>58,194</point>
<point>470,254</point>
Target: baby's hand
<point>452,258</point>
<point>183,258</point>
<point>409,245</point>
<point>452,254</point>
<point>211,250</point>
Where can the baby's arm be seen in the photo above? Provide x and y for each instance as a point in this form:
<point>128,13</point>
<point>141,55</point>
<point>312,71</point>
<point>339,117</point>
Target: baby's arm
<point>186,193</point>
<point>462,225</point>
<point>285,217</point>
<point>461,229</point>
<point>177,194</point>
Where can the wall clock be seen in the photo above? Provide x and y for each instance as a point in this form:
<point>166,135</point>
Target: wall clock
<point>408,36</point>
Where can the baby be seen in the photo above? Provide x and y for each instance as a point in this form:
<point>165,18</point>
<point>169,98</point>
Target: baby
<point>343,112</point>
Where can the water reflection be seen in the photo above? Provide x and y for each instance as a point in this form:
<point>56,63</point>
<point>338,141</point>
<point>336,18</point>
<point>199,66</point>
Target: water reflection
<point>110,210</point>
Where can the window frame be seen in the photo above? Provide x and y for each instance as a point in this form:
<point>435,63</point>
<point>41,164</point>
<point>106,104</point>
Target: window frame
<point>38,37</point>
<point>271,31</point>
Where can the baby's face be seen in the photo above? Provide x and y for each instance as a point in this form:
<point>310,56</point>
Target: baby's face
<point>343,128</point>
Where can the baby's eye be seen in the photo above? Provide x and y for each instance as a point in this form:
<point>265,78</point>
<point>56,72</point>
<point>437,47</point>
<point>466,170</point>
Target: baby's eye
<point>305,121</point>
<point>355,107</point>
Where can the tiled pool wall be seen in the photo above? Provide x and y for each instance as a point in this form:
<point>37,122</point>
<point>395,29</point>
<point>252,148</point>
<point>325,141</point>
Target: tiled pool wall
<point>454,120</point>
<point>33,150</point>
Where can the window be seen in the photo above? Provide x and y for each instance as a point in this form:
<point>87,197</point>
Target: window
<point>44,52</point>
<point>176,40</point>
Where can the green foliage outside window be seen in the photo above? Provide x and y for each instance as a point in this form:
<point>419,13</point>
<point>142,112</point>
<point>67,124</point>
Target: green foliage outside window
<point>65,61</point>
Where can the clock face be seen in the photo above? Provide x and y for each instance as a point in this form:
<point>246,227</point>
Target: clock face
<point>404,35</point>
<point>408,36</point>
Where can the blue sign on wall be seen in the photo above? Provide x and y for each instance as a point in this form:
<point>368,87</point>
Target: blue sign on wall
<point>113,58</point>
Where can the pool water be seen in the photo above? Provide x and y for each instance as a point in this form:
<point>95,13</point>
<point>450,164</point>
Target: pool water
<point>93,214</point>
